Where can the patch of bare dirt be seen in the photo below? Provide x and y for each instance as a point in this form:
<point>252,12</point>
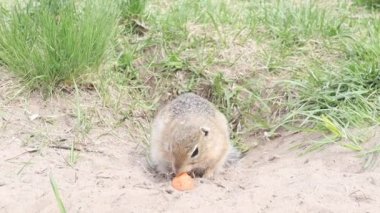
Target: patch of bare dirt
<point>111,174</point>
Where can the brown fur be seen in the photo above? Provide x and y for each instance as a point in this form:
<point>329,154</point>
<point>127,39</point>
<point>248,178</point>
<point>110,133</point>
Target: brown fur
<point>187,123</point>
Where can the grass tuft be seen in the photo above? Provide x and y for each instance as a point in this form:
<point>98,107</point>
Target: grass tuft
<point>132,8</point>
<point>49,42</point>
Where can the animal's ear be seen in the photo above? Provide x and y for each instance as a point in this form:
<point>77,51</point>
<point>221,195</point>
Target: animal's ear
<point>205,130</point>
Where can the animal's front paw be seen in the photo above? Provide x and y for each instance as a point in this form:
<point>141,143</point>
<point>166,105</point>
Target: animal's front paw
<point>209,174</point>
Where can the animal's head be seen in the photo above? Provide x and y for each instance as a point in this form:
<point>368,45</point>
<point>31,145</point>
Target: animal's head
<point>189,151</point>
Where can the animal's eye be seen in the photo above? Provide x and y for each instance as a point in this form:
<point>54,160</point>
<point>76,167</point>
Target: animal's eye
<point>195,152</point>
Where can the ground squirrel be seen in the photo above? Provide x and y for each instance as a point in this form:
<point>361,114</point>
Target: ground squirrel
<point>191,135</point>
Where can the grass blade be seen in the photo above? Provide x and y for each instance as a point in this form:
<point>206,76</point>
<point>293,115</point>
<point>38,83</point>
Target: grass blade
<point>57,195</point>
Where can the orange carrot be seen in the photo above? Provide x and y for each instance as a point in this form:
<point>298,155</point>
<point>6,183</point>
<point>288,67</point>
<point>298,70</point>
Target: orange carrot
<point>183,182</point>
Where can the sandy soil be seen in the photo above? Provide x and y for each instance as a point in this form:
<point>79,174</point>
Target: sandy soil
<point>111,175</point>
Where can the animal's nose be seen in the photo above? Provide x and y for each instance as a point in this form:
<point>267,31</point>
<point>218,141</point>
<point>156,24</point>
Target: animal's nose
<point>177,168</point>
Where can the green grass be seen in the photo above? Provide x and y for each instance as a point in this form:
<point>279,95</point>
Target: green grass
<point>290,25</point>
<point>346,92</point>
<point>270,66</point>
<point>58,198</point>
<point>315,69</point>
<point>369,3</point>
<point>50,42</point>
<point>132,8</point>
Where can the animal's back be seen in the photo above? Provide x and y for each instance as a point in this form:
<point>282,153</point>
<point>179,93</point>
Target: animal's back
<point>190,103</point>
